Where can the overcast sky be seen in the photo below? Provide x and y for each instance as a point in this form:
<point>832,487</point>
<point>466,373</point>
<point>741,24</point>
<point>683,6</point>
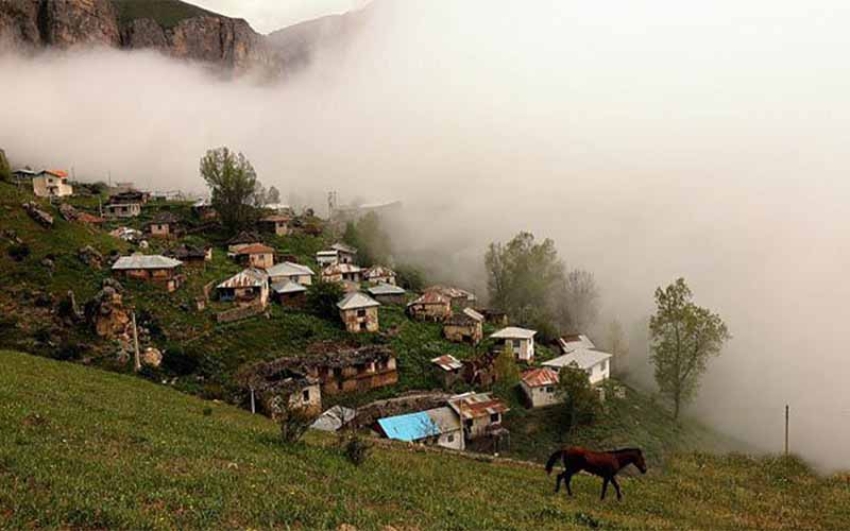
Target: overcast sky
<point>269,15</point>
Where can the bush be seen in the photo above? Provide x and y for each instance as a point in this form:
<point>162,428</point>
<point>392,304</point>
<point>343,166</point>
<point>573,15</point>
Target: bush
<point>19,252</point>
<point>69,351</point>
<point>322,298</point>
<point>410,278</point>
<point>356,449</point>
<point>294,423</point>
<point>180,362</point>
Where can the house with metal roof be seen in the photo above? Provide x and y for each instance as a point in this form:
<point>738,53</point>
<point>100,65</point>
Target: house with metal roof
<point>342,273</point>
<point>122,210</point>
<point>250,286</point>
<point>255,255</point>
<point>595,363</point>
<point>430,306</point>
<point>277,224</point>
<point>540,387</point>
<point>465,326</point>
<point>289,293</point>
<point>520,341</point>
<point>387,293</point>
<point>572,342</point>
<point>449,369</point>
<point>51,183</point>
<point>297,273</point>
<point>163,225</point>
<point>460,298</point>
<point>156,269</point>
<point>378,274</point>
<point>480,413</point>
<point>440,426</point>
<point>359,312</point>
<point>334,419</point>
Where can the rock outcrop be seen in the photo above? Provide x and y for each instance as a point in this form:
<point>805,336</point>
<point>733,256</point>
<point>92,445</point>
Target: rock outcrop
<point>66,23</point>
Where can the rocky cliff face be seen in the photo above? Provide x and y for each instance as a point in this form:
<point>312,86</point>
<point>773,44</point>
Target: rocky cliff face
<point>68,23</point>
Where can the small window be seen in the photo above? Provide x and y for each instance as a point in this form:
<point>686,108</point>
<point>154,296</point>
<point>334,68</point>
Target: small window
<point>550,389</point>
<point>305,396</point>
<point>361,313</point>
<point>494,417</point>
<point>451,438</point>
<point>364,326</point>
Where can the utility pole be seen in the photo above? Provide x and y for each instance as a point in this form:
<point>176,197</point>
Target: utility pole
<point>253,407</point>
<point>786,430</point>
<point>137,362</point>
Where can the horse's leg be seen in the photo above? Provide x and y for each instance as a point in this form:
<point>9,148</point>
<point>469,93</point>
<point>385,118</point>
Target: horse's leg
<point>604,488</point>
<point>617,487</point>
<point>558,482</point>
<point>568,477</point>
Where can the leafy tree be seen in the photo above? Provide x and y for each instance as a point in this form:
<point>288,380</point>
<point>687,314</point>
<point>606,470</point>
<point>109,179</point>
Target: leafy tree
<point>232,181</point>
<point>409,277</point>
<point>617,344</point>
<point>581,402</point>
<point>507,371</point>
<point>371,240</point>
<point>272,196</point>
<point>683,336</point>
<point>579,303</point>
<point>5,168</point>
<point>522,276</point>
<point>322,298</point>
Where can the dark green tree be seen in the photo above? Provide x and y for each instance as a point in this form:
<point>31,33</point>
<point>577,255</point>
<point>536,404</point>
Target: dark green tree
<point>322,298</point>
<point>373,243</point>
<point>232,181</point>
<point>683,338</point>
<point>581,401</point>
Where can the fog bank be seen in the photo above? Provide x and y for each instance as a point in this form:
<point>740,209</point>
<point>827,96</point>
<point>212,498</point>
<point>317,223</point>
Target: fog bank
<point>655,141</point>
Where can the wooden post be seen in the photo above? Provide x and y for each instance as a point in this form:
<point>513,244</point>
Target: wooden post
<point>137,362</point>
<point>786,430</point>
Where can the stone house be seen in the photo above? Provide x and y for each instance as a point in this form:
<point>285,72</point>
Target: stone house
<point>190,255</point>
<point>128,195</point>
<point>300,274</point>
<point>121,210</point>
<point>277,224</point>
<point>480,413</point>
<point>280,389</point>
<point>431,306</point>
<point>250,286</point>
<point>257,255</point>
<point>289,293</point>
<point>342,273</point>
<point>155,269</point>
<point>359,312</point>
<point>327,258</point>
<point>346,254</point>
<point>540,387</point>
<point>465,326</point>
<point>387,294</point>
<point>460,298</point>
<point>243,239</point>
<point>51,183</point>
<point>520,341</point>
<point>164,225</point>
<point>348,369</point>
<point>379,275</point>
<point>449,369</point>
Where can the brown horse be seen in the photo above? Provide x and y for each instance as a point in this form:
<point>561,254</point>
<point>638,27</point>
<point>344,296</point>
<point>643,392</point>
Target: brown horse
<point>602,464</point>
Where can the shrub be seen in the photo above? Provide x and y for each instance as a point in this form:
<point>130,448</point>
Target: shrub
<point>69,351</point>
<point>19,251</point>
<point>410,278</point>
<point>294,423</point>
<point>356,449</point>
<point>179,361</point>
<point>322,298</point>
<point>207,411</point>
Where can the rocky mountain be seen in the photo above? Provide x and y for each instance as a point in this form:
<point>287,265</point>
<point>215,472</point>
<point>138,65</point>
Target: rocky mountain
<point>174,27</point>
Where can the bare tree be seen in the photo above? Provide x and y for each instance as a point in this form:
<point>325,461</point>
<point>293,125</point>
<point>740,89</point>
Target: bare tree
<point>579,304</point>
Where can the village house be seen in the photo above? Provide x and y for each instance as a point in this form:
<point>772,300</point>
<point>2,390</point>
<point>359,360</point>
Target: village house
<point>342,273</point>
<point>164,225</point>
<point>256,255</point>
<point>449,369</point>
<point>540,387</point>
<point>243,239</point>
<point>289,293</point>
<point>190,255</point>
<point>334,419</point>
<point>348,369</point>
<point>520,341</point>
<point>300,274</point>
<point>90,219</point>
<point>460,298</point>
<point>327,258</point>
<point>250,286</point>
<point>480,413</point>
<point>24,174</point>
<point>121,210</point>
<point>379,275</point>
<point>359,312</point>
<point>346,254</point>
<point>569,343</point>
<point>51,183</point>
<point>155,269</point>
<point>594,362</point>
<point>431,306</point>
<point>204,210</point>
<point>494,317</point>
<point>279,389</point>
<point>128,195</point>
<point>275,224</point>
<point>388,294</point>
<point>439,426</point>
<point>465,326</point>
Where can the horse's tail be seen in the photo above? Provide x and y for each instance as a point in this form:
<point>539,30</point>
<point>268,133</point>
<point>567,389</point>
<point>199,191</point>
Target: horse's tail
<point>553,459</point>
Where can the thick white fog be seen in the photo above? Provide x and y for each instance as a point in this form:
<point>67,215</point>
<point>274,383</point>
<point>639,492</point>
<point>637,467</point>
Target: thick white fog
<point>651,140</point>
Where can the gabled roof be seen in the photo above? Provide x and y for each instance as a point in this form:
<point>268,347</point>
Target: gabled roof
<point>583,358</point>
<point>287,286</point>
<point>575,341</point>
<point>357,300</point>
<point>447,362</point>
<point>461,319</point>
<point>140,261</point>
<point>445,418</point>
<point>62,174</point>
<point>277,218</point>
<point>452,292</point>
<point>473,405</point>
<point>244,237</point>
<point>473,314</point>
<point>385,289</point>
<point>255,248</point>
<point>514,332</point>
<point>540,377</point>
<point>289,269</point>
<point>248,278</point>
<point>327,253</point>
<point>185,251</point>
<point>379,271</point>
<point>410,427</point>
<point>334,419</point>
<point>343,248</point>
<point>431,297</point>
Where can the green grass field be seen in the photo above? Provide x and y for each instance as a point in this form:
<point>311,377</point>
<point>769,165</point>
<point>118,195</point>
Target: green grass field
<point>85,449</point>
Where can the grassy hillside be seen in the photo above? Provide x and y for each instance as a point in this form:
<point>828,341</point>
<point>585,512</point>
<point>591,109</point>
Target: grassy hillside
<point>167,13</point>
<point>81,448</point>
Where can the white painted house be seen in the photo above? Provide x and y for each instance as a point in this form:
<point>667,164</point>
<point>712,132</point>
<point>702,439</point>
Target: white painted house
<point>519,340</point>
<point>595,363</point>
<point>51,183</point>
<point>540,387</point>
<point>300,274</point>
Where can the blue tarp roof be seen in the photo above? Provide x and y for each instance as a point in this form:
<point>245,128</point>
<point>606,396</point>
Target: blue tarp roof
<point>410,427</point>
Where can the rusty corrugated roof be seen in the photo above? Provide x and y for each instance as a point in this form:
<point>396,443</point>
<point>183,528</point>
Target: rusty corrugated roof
<point>540,377</point>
